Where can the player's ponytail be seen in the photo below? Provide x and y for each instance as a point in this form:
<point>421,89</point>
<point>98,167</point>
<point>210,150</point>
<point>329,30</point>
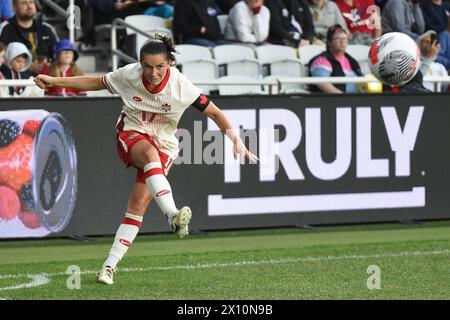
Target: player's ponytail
<point>159,44</point>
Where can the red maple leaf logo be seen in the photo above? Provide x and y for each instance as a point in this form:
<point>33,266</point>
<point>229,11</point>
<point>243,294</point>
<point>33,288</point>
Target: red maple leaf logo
<point>166,107</point>
<point>203,99</point>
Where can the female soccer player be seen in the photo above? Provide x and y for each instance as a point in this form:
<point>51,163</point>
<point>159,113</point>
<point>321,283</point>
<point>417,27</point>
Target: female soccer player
<point>155,95</point>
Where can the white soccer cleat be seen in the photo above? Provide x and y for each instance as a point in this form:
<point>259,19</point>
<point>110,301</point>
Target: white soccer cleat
<point>180,221</point>
<point>106,275</point>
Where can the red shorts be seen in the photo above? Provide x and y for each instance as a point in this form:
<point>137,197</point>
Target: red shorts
<point>126,140</point>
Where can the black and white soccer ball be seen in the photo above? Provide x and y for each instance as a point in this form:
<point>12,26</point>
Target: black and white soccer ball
<point>394,58</point>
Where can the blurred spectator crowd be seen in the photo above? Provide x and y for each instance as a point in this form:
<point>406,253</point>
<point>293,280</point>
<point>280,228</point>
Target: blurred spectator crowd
<point>29,45</point>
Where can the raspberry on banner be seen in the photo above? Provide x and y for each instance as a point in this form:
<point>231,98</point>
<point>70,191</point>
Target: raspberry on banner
<point>31,127</point>
<point>30,219</point>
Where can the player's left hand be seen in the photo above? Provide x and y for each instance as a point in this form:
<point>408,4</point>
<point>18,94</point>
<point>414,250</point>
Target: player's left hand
<point>239,148</point>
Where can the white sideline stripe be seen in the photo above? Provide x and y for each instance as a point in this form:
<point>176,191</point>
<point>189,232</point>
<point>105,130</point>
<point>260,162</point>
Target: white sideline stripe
<point>219,206</point>
<point>43,278</point>
<point>36,281</point>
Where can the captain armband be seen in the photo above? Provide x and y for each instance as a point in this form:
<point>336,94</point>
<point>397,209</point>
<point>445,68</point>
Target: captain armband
<point>201,103</point>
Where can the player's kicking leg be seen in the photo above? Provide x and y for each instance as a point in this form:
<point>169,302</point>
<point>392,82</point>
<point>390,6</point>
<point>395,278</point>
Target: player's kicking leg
<point>137,205</point>
<point>154,185</point>
<point>145,156</point>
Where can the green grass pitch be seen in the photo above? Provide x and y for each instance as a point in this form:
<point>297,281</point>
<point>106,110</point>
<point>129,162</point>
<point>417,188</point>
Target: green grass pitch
<point>412,262</point>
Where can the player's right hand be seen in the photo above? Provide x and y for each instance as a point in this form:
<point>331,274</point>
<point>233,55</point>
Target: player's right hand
<point>43,81</point>
<point>239,148</point>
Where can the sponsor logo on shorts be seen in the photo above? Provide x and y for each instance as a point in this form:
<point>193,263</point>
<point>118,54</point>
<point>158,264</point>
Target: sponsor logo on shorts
<point>162,192</point>
<point>132,135</point>
<point>137,99</point>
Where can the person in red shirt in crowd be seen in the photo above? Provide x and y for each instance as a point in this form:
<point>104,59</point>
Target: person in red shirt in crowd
<point>363,20</point>
<point>64,65</point>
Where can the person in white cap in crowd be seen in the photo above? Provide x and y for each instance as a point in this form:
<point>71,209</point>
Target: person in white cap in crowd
<point>17,61</point>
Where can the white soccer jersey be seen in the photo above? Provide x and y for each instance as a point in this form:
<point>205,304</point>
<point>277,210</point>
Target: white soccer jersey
<point>156,112</point>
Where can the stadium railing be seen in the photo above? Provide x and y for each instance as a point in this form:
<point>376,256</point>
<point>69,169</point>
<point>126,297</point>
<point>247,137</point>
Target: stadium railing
<point>69,14</point>
<point>273,85</point>
<point>115,51</point>
<point>16,83</point>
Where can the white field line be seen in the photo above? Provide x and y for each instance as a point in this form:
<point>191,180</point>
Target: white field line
<point>36,280</point>
<point>44,278</point>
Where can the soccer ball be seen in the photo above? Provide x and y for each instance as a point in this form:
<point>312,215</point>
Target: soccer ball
<point>394,58</point>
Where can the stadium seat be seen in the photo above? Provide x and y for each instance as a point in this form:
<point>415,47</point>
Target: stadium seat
<point>288,69</point>
<point>361,54</point>
<point>358,51</point>
<point>205,69</point>
<point>281,61</point>
<point>250,68</point>
<point>232,52</point>
<point>190,52</point>
<point>144,21</point>
<point>306,53</point>
<point>268,54</point>
<point>148,24</point>
<point>271,52</point>
<point>237,60</point>
<point>234,89</point>
<point>197,63</point>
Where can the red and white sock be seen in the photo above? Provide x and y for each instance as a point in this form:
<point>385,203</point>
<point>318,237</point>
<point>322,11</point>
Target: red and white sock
<point>160,188</point>
<point>125,236</point>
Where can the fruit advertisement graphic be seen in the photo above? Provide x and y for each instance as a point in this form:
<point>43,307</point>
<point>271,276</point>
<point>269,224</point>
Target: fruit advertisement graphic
<point>38,173</point>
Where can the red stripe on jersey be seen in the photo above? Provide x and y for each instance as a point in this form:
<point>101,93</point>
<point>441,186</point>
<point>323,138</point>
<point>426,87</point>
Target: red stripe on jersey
<point>125,242</point>
<point>160,87</point>
<point>152,117</point>
<point>121,123</point>
<point>133,222</point>
<point>168,163</point>
<point>105,82</point>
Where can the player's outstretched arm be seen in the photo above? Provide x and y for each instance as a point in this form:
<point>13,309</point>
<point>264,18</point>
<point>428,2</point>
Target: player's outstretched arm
<point>84,83</point>
<point>217,115</point>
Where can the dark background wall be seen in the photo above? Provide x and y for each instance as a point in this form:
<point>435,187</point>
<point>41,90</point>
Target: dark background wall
<point>104,183</point>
